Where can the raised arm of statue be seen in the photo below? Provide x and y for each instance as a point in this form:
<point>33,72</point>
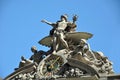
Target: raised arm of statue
<point>49,23</point>
<point>75,17</point>
<point>71,26</point>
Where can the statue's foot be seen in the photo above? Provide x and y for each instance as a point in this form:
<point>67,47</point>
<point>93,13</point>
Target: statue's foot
<point>54,52</point>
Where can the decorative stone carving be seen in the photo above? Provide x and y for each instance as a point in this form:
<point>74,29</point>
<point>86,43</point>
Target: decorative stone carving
<point>70,56</point>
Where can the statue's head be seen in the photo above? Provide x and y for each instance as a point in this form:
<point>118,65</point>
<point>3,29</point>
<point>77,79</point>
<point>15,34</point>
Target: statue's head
<point>83,41</point>
<point>34,49</point>
<point>64,16</point>
<point>100,53</point>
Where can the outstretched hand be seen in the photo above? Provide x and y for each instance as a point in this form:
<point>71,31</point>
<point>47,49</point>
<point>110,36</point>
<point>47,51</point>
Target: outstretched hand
<point>75,17</point>
<point>22,58</point>
<point>43,21</point>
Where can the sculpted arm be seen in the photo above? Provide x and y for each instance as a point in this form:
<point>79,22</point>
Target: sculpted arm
<point>73,24</point>
<point>49,23</point>
<point>75,17</point>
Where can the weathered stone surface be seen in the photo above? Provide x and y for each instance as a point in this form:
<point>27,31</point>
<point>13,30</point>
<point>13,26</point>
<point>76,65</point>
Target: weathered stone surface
<point>82,78</point>
<point>69,58</point>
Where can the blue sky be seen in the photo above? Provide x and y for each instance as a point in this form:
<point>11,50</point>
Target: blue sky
<point>20,27</point>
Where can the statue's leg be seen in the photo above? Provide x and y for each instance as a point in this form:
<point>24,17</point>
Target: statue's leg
<point>57,43</point>
<point>63,41</point>
<point>54,44</point>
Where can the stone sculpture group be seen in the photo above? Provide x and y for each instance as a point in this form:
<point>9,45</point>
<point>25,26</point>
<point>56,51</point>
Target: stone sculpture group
<point>69,56</point>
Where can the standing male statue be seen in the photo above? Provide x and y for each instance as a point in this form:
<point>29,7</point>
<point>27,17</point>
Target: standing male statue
<point>58,31</point>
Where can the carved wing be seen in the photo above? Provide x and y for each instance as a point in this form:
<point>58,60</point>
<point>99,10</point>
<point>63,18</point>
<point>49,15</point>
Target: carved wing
<point>47,41</point>
<point>76,36</point>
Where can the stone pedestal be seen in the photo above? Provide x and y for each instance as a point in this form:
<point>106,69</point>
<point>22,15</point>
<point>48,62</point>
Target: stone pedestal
<point>109,77</point>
